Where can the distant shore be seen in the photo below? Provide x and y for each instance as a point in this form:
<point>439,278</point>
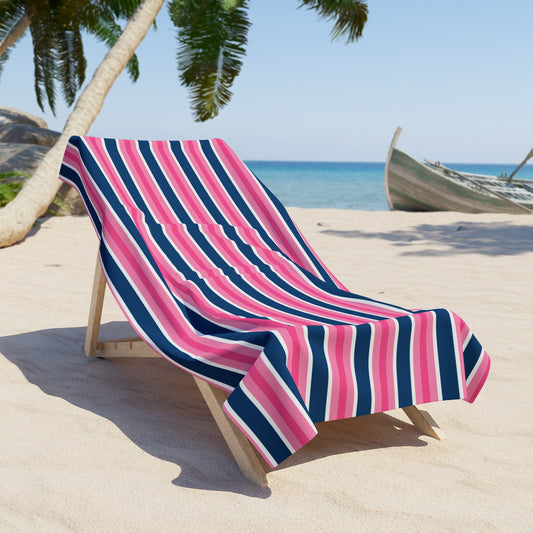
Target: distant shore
<point>129,445</point>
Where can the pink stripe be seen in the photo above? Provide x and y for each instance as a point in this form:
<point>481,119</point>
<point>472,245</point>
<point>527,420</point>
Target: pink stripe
<point>337,354</point>
<point>298,356</point>
<point>424,370</point>
<point>286,271</point>
<point>432,381</point>
<point>383,366</point>
<point>104,162</point>
<point>418,325</point>
<point>378,352</point>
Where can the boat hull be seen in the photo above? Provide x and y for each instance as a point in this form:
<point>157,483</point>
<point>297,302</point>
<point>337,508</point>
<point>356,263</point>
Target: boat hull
<point>413,186</point>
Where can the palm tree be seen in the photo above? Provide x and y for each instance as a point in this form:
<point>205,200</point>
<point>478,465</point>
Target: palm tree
<point>212,37</point>
<point>55,29</point>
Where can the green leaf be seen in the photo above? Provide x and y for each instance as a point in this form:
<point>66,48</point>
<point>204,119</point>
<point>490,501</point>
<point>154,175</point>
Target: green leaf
<point>212,35</point>
<point>350,16</point>
<point>10,13</point>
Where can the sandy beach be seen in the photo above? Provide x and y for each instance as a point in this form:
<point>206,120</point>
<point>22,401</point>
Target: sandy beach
<point>129,445</point>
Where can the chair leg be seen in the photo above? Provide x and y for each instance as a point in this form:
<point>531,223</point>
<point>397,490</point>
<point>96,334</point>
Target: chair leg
<point>239,445</point>
<point>424,422</point>
<point>95,311</point>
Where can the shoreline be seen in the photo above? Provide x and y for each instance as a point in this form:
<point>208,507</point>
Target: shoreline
<point>128,445</point>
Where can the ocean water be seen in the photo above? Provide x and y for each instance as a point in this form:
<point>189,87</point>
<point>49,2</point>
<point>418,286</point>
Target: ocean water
<point>344,185</point>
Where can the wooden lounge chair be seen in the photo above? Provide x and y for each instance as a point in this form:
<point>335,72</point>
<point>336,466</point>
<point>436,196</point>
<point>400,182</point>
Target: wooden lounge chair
<point>214,276</point>
<point>240,447</point>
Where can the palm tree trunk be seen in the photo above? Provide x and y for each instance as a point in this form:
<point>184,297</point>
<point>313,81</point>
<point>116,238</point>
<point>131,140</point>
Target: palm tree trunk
<point>19,215</point>
<point>16,32</point>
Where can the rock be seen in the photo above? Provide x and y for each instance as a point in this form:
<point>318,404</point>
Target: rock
<point>67,202</point>
<point>9,115</point>
<point>24,141</point>
<point>28,134</point>
<point>21,157</point>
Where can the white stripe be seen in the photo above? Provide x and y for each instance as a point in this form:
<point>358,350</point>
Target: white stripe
<point>395,362</point>
<point>370,370</point>
<point>352,370</point>
<point>411,360</point>
<point>310,360</point>
<point>467,340</point>
<point>327,413</point>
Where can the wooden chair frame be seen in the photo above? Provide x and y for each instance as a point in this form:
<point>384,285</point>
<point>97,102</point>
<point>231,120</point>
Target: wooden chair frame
<point>240,447</point>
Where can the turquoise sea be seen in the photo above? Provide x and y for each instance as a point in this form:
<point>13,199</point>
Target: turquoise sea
<point>344,185</point>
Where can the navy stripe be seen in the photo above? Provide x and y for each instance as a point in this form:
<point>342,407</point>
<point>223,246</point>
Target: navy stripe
<point>472,353</point>
<point>319,374</point>
<point>403,362</point>
<point>446,350</point>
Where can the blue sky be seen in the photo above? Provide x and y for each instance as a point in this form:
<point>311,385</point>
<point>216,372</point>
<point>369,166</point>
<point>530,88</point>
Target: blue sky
<point>457,75</point>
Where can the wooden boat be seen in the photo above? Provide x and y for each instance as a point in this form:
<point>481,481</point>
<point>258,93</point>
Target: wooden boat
<point>411,185</point>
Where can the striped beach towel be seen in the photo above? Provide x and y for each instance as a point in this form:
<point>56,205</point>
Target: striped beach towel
<point>212,273</point>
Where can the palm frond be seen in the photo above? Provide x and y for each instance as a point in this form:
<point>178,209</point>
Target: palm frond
<point>71,62</point>
<point>3,58</point>
<point>10,14</point>
<point>44,55</point>
<point>350,16</point>
<point>123,9</point>
<point>56,27</point>
<point>212,35</point>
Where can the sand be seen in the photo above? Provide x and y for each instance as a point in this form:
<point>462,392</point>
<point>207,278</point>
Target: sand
<point>128,445</point>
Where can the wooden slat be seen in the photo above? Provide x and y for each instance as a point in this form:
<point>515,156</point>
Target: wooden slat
<point>134,347</point>
<point>95,311</point>
<point>424,422</point>
<point>239,445</point>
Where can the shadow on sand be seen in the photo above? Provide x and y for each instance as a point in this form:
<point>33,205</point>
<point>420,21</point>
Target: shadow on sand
<point>485,238</point>
<point>160,409</point>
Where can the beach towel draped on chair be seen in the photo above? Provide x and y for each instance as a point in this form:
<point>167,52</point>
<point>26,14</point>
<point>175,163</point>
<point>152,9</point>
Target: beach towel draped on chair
<point>213,274</point>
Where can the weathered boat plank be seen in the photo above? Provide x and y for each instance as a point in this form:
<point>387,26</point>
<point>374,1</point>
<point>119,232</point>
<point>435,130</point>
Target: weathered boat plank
<point>414,186</point>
